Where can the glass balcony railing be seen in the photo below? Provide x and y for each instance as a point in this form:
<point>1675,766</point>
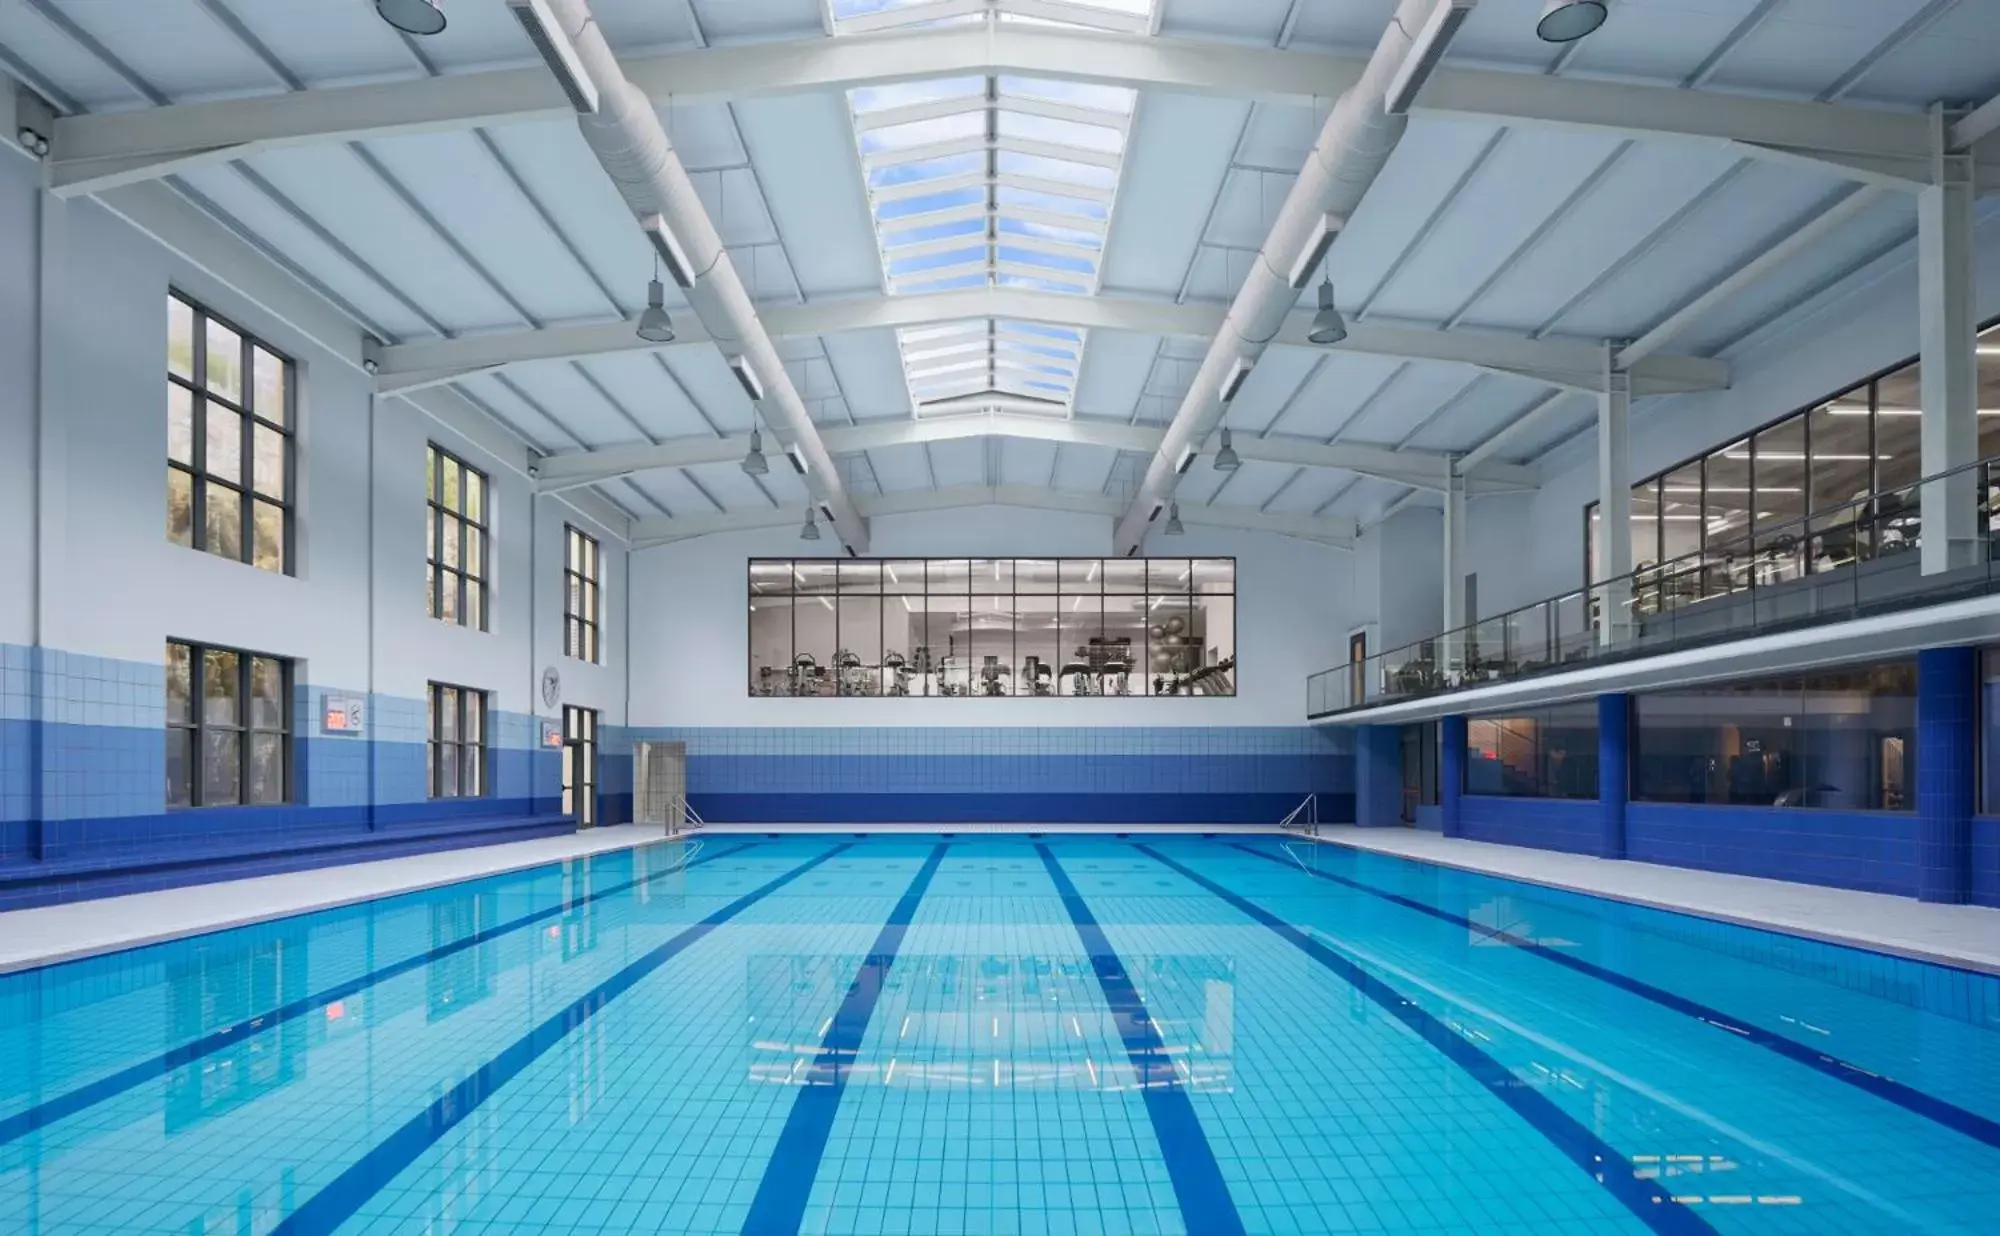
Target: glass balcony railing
<point>1861,557</point>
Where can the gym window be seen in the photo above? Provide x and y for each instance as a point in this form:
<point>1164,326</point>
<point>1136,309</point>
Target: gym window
<point>228,727</point>
<point>457,741</point>
<point>580,595</point>
<point>457,540</point>
<point>229,441</point>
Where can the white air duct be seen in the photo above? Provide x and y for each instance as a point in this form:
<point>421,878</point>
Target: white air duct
<point>1352,149</point>
<point>629,141</point>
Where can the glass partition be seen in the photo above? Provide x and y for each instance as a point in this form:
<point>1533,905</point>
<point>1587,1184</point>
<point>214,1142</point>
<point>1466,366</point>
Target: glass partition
<point>1546,752</point>
<point>992,627</point>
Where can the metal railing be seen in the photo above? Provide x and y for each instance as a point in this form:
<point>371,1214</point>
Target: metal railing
<point>1860,557</point>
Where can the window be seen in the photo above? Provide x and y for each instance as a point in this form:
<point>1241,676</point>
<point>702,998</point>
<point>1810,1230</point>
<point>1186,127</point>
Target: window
<point>992,627</point>
<point>1841,738</point>
<point>1543,753</point>
<point>456,543</point>
<point>581,598</point>
<point>228,720</point>
<point>579,780</point>
<point>457,741</point>
<point>229,441</point>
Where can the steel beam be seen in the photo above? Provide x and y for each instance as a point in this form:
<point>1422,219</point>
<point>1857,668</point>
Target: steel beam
<point>93,152</point>
<point>1569,363</point>
<point>1339,532</point>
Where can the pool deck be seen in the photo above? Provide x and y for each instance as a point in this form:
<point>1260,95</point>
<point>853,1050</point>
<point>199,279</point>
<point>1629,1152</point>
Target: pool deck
<point>1964,936</point>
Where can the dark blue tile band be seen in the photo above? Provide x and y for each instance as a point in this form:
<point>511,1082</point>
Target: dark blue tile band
<point>344,1197</point>
<point>21,1123</point>
<point>1958,1119</point>
<point>1649,1203</point>
<point>1198,1185</point>
<point>780,1204</point>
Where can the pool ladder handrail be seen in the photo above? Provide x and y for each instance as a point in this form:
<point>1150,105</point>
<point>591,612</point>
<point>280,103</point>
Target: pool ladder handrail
<point>1303,818</point>
<point>688,852</point>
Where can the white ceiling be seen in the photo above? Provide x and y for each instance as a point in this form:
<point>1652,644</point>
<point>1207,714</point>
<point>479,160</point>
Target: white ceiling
<point>1541,232</point>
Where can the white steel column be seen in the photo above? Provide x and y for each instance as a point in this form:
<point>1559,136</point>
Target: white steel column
<point>1614,501</point>
<point>1950,383</point>
<point>1452,645</point>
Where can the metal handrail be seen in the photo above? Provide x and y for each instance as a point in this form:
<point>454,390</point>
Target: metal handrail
<point>1309,826</point>
<point>1861,519</point>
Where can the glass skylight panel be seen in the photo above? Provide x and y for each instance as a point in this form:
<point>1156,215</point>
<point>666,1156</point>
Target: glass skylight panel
<point>992,182</point>
<point>865,16</point>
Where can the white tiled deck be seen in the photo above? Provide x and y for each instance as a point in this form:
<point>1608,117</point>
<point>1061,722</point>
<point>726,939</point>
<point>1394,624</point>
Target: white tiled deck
<point>85,928</point>
<point>1967,936</point>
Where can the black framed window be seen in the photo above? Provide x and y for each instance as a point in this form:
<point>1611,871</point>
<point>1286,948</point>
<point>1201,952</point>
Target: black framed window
<point>229,721</point>
<point>457,741</point>
<point>1548,752</point>
<point>230,443</point>
<point>992,627</point>
<point>582,595</point>
<point>457,544</point>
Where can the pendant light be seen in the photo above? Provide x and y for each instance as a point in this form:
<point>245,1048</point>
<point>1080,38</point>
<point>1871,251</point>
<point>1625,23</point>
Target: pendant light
<point>1328,327</point>
<point>654,324</point>
<point>811,531</point>
<point>754,463</point>
<point>1174,527</point>
<point>412,16</point>
<point>1566,21</point>
<point>1226,459</point>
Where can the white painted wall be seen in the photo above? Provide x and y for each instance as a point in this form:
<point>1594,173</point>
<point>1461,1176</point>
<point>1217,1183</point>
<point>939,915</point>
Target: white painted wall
<point>1295,604</point>
<point>353,613</point>
<point>1399,581</point>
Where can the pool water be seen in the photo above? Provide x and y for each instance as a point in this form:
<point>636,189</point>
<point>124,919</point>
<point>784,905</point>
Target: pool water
<point>943,1034</point>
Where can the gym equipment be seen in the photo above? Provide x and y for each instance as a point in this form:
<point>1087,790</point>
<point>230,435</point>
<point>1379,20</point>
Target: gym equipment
<point>851,674</point>
<point>806,674</point>
<point>1175,625</point>
<point>1039,675</point>
<point>897,673</point>
<point>991,676</point>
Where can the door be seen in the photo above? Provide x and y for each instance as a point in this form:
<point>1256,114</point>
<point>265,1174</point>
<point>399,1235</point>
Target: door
<point>1357,670</point>
<point>580,765</point>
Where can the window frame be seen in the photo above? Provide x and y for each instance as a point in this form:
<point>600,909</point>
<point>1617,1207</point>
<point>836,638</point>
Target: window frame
<point>197,725</point>
<point>583,588</point>
<point>434,742</point>
<point>196,469</point>
<point>470,578</point>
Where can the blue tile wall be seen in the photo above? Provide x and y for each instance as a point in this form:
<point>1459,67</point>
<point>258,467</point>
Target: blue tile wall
<point>1572,825</point>
<point>1024,774</point>
<point>83,774</point>
<point>1875,851</point>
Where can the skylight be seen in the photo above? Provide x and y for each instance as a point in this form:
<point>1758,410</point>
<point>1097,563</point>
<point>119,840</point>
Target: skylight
<point>979,182</point>
<point>1122,16</point>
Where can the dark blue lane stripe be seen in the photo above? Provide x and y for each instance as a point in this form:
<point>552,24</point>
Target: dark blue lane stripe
<point>1649,1203</point>
<point>348,1192</point>
<point>22,1123</point>
<point>780,1204</point>
<point>1950,1115</point>
<point>1204,1198</point>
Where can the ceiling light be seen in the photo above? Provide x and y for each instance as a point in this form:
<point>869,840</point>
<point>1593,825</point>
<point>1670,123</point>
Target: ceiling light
<point>411,16</point>
<point>1186,462</point>
<point>1327,232</point>
<point>1425,52</point>
<point>798,459</point>
<point>1328,327</point>
<point>1565,21</point>
<point>811,531</point>
<point>1239,373</point>
<point>1173,527</point>
<point>552,41</point>
<point>654,324</point>
<point>754,463</point>
<point>747,378</point>
<point>668,247</point>
<point>1226,459</point>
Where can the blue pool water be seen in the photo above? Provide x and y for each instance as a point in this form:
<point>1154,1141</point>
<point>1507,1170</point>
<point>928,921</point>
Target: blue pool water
<point>998,1034</point>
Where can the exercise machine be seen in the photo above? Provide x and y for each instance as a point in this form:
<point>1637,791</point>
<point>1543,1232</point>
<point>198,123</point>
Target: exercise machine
<point>896,674</point>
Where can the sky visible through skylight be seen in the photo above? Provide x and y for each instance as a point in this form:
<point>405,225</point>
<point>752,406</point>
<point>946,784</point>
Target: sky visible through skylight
<point>991,182</point>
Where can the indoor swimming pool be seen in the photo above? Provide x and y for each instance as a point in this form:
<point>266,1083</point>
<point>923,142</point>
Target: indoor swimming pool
<point>1010,1034</point>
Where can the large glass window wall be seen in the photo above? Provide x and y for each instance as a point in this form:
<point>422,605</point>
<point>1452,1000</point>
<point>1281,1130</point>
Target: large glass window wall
<point>1843,739</point>
<point>1539,753</point>
<point>992,627</point>
<point>1729,518</point>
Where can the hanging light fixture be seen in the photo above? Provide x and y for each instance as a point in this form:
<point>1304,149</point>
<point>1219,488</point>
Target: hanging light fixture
<point>811,531</point>
<point>654,324</point>
<point>1328,327</point>
<point>412,16</point>
<point>1174,527</point>
<point>754,463</point>
<point>1566,21</point>
<point>1226,459</point>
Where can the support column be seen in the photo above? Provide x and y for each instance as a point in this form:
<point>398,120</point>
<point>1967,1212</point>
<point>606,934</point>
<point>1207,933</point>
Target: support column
<point>1950,380</point>
<point>1451,643</point>
<point>1614,502</point>
<point>1614,772</point>
<point>1947,771</point>
<point>1378,776</point>
<point>1451,775</point>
